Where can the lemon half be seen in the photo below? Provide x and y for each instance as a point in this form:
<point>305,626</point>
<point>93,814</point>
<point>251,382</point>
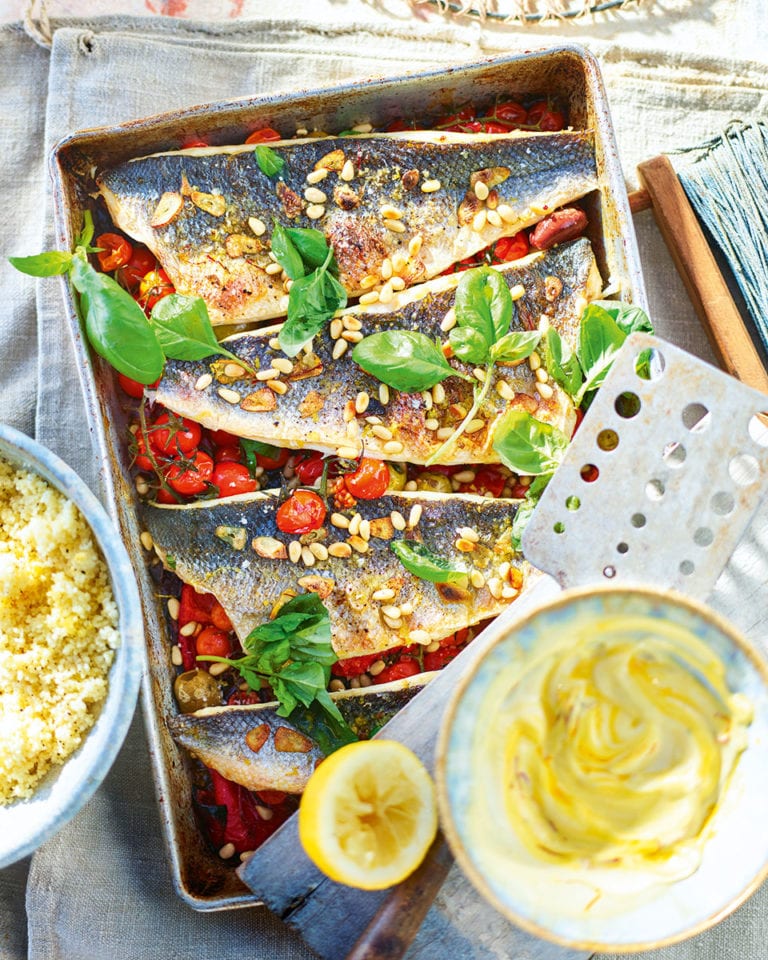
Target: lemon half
<point>368,814</point>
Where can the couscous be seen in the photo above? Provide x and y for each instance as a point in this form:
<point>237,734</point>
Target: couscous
<point>58,630</point>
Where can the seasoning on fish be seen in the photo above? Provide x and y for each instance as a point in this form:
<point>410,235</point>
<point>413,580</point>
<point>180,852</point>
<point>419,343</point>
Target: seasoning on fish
<point>262,751</point>
<point>195,208</point>
<point>248,585</point>
<point>311,412</point>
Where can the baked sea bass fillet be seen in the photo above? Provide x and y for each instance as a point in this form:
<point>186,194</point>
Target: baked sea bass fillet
<point>430,198</point>
<point>233,549</point>
<point>310,401</point>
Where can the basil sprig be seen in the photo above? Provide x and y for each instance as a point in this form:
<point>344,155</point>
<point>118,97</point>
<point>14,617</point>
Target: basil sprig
<point>404,359</point>
<point>293,653</point>
<point>116,326</point>
<point>605,325</point>
<point>422,562</point>
<point>315,294</point>
<point>269,162</point>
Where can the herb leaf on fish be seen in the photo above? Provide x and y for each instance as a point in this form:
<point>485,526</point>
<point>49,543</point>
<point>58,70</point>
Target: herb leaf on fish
<point>287,255</point>
<point>404,359</point>
<point>293,653</point>
<point>253,448</point>
<point>311,246</point>
<point>561,363</point>
<point>529,446</point>
<point>484,311</point>
<point>184,332</point>
<point>527,507</point>
<point>269,162</point>
<point>422,562</point>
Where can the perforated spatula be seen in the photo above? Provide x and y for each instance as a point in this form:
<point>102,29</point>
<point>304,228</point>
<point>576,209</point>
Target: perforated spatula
<point>676,467</point>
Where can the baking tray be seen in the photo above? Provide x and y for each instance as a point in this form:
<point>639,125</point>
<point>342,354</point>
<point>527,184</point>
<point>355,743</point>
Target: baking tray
<point>566,72</point>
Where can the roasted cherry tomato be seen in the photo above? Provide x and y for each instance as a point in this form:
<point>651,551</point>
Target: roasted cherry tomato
<point>265,135</point>
<point>519,491</point>
<point>141,459</point>
<point>437,659</point>
<point>154,286</point>
<point>195,606</point>
<point>462,117</point>
<point>132,387</point>
<point>232,454</point>
<point>241,697</point>
<point>354,666</point>
<point>456,639</point>
<point>543,115</point>
<point>179,438</point>
<point>402,668</point>
<point>115,251</point>
<point>302,512</point>
<point>233,478</point>
<point>488,482</point>
<point>163,496</point>
<point>490,126</point>
<point>511,112</point>
<point>369,481</point>
<point>512,248</point>
<point>193,142</point>
<point>579,418</point>
<point>219,617</point>
<point>309,468</point>
<point>142,259</point>
<point>273,463</point>
<point>223,439</point>
<point>192,476</point>
<point>271,797</point>
<point>211,642</point>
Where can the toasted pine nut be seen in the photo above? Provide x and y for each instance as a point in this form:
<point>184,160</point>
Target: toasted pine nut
<point>283,364</point>
<point>534,361</point>
<point>430,186</point>
<point>335,328</point>
<point>258,226</point>
<point>418,636</point>
<point>354,525</point>
<point>269,374</point>
<point>315,211</point>
<point>449,321</point>
<point>348,171</point>
<point>481,190</point>
<point>319,550</point>
<point>479,220</point>
<point>371,297</point>
<point>474,425</point>
<point>314,195</point>
<point>342,550</point>
<point>464,476</point>
<point>317,175</point>
<point>173,608</point>
<point>351,323</point>
<point>294,551</point>
<point>396,226</point>
<point>383,394</point>
<point>517,291</point>
<point>444,432</point>
<point>470,534</point>
<point>308,557</point>
<point>398,520</point>
<point>146,540</point>
<point>339,520</point>
<point>386,593</point>
<point>393,447</point>
<point>493,218</point>
<point>415,515</point>
<point>438,393</point>
<point>352,336</point>
<point>391,213</point>
<point>376,667</point>
<point>477,579</point>
<point>386,294</point>
<point>176,657</point>
<point>188,629</point>
<point>431,424</point>
<point>541,375</point>
<point>347,453</point>
<point>368,281</point>
<point>504,390</point>
<point>231,396</point>
<point>361,401</point>
<point>545,391</point>
<point>273,268</point>
<point>338,348</point>
<point>278,386</point>
<point>506,213</point>
<point>203,381</point>
<point>382,432</point>
<point>414,245</point>
<point>365,529</point>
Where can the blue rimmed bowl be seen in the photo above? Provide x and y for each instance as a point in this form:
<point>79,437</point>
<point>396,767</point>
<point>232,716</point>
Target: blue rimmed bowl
<point>575,903</point>
<point>26,824</point>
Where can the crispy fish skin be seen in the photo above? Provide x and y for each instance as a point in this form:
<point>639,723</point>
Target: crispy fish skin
<point>313,412</point>
<point>208,204</point>
<point>242,742</point>
<point>196,539</point>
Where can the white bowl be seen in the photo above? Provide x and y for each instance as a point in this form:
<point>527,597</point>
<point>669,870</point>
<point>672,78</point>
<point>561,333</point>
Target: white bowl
<point>577,904</point>
<point>25,824</point>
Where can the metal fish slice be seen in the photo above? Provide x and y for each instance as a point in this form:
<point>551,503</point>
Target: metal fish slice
<point>661,480</point>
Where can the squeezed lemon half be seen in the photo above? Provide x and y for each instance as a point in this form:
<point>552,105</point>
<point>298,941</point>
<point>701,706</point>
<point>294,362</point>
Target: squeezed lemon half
<point>368,814</point>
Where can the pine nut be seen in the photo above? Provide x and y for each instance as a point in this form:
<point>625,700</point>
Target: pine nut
<point>465,546</point>
<point>415,515</point>
<point>339,520</point>
<point>393,447</point>
<point>493,218</point>
<point>504,390</point>
<point>319,550</point>
<point>173,608</point>
<point>399,262</point>
<point>427,398</point>
<point>386,269</point>
<point>347,453</point>
<point>203,381</point>
<point>438,393</point>
<point>307,557</point>
<point>383,433</point>
<point>414,245</point>
<point>365,680</point>
<point>480,374</point>
<point>541,375</point>
<point>383,394</point>
<point>231,396</point>
<point>317,175</point>
<point>348,171</point>
<point>338,348</point>
<point>335,328</point>
<point>269,374</point>
<point>470,534</point>
<point>398,520</point>
<point>146,540</point>
<point>386,593</point>
<point>176,657</point>
<point>479,219</point>
<point>216,669</point>
<point>386,294</point>
<point>444,432</point>
<point>365,529</point>
<point>342,550</point>
<point>495,587</point>
<point>508,593</point>
<point>354,525</point>
<point>278,386</point>
<point>545,391</point>
<point>449,321</point>
<point>432,647</point>
<point>431,424</point>
<point>258,226</point>
<point>336,685</point>
<point>517,291</point>
<point>362,128</point>
<point>376,668</point>
<point>477,579</point>
<point>368,281</point>
<point>506,213</point>
<point>358,544</point>
<point>371,297</point>
<point>354,683</point>
<point>142,487</point>
<point>283,364</point>
<point>294,551</point>
<point>273,268</point>
<point>188,629</point>
<point>314,195</point>
<point>464,476</point>
<point>391,213</point>
<point>481,190</point>
<point>411,486</point>
<point>361,402</point>
<point>315,211</point>
<point>396,226</point>
<point>534,361</point>
<point>406,609</point>
<point>233,370</point>
<point>351,323</point>
<point>474,425</point>
<point>418,636</point>
<point>430,186</point>
<point>393,624</point>
<point>352,336</point>
<point>227,851</point>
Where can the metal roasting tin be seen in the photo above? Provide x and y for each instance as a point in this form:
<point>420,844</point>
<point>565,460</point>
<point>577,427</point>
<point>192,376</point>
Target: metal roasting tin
<point>567,72</point>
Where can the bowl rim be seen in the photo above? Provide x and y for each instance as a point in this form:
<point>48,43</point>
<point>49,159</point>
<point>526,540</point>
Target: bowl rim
<point>117,709</point>
<point>447,823</point>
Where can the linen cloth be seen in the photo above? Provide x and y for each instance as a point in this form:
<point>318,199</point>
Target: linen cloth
<point>101,888</point>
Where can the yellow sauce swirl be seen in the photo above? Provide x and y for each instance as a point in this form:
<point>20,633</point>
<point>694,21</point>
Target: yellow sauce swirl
<point>617,747</point>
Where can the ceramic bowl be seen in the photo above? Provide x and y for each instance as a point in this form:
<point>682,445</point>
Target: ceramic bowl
<point>25,824</point>
<point>575,904</point>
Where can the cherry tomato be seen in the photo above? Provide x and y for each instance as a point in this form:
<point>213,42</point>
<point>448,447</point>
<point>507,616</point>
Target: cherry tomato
<point>172,441</point>
<point>273,463</point>
<point>233,454</point>
<point>162,496</point>
<point>488,482</point>
<point>402,668</point>
<point>490,126</point>
<point>512,248</point>
<point>271,797</point>
<point>233,478</point>
<point>463,116</point>
<point>130,277</point>
<point>369,481</point>
<point>241,697</point>
<point>191,477</point>
<point>223,439</point>
<point>115,252</point>
<point>519,491</point>
<point>354,666</point>
<point>579,418</point>
<point>511,112</point>
<point>219,617</point>
<point>188,144</point>
<point>154,286</point>
<point>141,460</point>
<point>456,639</point>
<point>142,259</point>
<point>310,468</point>
<point>437,659</point>
<point>543,115</point>
<point>211,642</point>
<point>265,135</point>
<point>302,512</point>
<point>132,387</point>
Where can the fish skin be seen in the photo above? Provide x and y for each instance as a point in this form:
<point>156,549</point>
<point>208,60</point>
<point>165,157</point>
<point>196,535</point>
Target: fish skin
<point>216,735</point>
<point>249,586</point>
<point>547,170</point>
<point>311,413</point>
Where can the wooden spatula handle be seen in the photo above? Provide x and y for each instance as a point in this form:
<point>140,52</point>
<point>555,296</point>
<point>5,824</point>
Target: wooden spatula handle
<point>397,921</point>
<point>701,275</point>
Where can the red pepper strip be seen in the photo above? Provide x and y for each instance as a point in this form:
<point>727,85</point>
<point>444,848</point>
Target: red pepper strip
<point>244,827</point>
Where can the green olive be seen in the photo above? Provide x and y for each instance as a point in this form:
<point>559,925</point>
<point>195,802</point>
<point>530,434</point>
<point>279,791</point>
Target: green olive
<point>397,476</point>
<point>196,689</point>
<point>435,482</point>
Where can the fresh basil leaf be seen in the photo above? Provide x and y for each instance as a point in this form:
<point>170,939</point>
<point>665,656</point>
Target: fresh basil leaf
<point>627,316</point>
<point>253,448</point>
<point>312,301</point>
<point>298,613</point>
<point>515,346</point>
<point>86,234</point>
<point>324,699</point>
<point>600,339</point>
<point>269,162</point>
<point>483,303</point>
<point>183,327</point>
<point>404,359</point>
<point>335,294</point>
<point>50,264</point>
<point>312,246</point>
<point>115,324</point>
<point>302,681</point>
<point>527,445</point>
<point>425,564</point>
<point>322,726</point>
<point>287,255</point>
<point>526,508</point>
<point>561,363</point>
